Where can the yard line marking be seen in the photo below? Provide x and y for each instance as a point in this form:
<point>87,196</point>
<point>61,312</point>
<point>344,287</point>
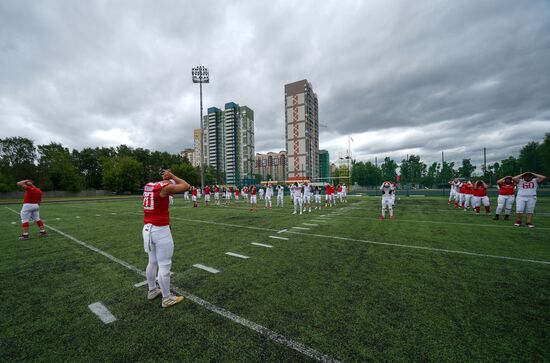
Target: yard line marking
<point>78,217</point>
<point>261,245</point>
<point>318,220</point>
<point>102,312</point>
<point>277,237</point>
<point>302,228</point>
<point>13,222</point>
<point>98,215</point>
<point>206,268</point>
<point>310,224</point>
<point>140,284</point>
<point>113,213</point>
<point>58,219</point>
<point>268,333</point>
<point>283,230</point>
<point>236,255</point>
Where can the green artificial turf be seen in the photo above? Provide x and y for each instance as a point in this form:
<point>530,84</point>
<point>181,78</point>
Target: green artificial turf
<point>354,288</point>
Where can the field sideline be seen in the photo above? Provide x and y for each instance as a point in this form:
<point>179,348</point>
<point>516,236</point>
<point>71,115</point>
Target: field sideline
<point>437,284</point>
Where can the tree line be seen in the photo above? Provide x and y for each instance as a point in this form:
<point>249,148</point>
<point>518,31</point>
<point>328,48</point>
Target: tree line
<point>533,157</point>
<point>121,169</point>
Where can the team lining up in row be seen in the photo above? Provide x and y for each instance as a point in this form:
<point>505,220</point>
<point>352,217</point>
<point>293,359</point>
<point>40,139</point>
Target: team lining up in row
<point>302,196</point>
<point>465,193</point>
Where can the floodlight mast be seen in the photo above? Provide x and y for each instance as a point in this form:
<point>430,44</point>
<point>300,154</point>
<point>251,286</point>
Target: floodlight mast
<point>200,75</point>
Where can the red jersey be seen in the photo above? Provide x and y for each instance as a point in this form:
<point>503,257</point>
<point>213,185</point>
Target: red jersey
<point>339,189</point>
<point>216,190</point>
<point>33,195</point>
<point>253,191</point>
<point>194,192</point>
<point>237,191</point>
<point>506,189</point>
<point>327,190</point>
<point>155,207</point>
<point>206,191</point>
<point>468,189</point>
<point>480,192</point>
<point>245,190</point>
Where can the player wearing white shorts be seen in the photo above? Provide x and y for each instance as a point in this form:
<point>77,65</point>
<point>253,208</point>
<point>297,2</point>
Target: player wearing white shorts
<point>245,193</point>
<point>269,196</point>
<point>280,195</point>
<point>387,190</point>
<point>30,209</point>
<point>207,195</point>
<point>344,192</point>
<point>253,201</point>
<point>186,195</point>
<point>297,197</point>
<point>307,197</point>
<point>339,193</point>
<point>228,196</point>
<point>480,197</point>
<point>216,195</point>
<point>157,237</point>
<point>527,196</point>
<point>468,193</point>
<point>318,203</point>
<point>236,193</point>
<point>506,189</point>
<point>194,196</point>
<point>262,192</point>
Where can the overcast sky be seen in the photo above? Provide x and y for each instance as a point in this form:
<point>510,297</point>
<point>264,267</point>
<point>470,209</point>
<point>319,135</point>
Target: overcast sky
<point>400,77</point>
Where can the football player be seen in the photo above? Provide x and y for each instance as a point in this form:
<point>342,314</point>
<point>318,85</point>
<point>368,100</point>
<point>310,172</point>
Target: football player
<point>207,195</point>
<point>297,196</point>
<point>30,209</point>
<point>280,195</point>
<point>253,201</point>
<point>479,197</point>
<point>527,196</point>
<point>387,190</point>
<point>506,189</point>
<point>268,196</point>
<point>157,237</point>
<point>307,197</point>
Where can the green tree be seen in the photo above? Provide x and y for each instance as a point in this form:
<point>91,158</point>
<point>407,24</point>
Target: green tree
<point>122,174</point>
<point>544,153</point>
<point>388,169</point>
<point>57,169</point>
<point>89,164</point>
<point>359,173</point>
<point>373,174</point>
<point>509,166</point>
<point>467,169</point>
<point>187,172</point>
<point>447,172</point>
<point>412,170</point>
<point>530,157</point>
<point>432,175</point>
<point>17,160</point>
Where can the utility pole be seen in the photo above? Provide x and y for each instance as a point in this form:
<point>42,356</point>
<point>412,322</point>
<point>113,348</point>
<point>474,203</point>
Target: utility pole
<point>200,75</point>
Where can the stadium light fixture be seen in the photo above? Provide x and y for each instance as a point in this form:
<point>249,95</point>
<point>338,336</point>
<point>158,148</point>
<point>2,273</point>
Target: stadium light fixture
<point>200,75</point>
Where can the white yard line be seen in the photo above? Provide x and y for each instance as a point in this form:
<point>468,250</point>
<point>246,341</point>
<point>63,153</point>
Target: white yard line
<point>283,230</point>
<point>268,333</point>
<point>236,255</point>
<point>310,224</point>
<point>206,268</point>
<point>277,237</point>
<point>140,284</point>
<point>302,228</point>
<point>102,312</point>
<point>261,245</point>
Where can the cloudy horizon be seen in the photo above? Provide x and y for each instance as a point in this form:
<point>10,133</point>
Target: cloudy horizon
<point>398,77</point>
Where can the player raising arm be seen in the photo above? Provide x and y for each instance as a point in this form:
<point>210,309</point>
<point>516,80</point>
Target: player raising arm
<point>30,209</point>
<point>157,237</point>
<point>506,189</point>
<point>527,196</point>
<point>387,190</point>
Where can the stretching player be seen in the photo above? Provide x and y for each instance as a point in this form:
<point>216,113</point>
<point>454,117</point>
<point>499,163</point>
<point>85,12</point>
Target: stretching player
<point>506,188</point>
<point>194,196</point>
<point>186,195</point>
<point>387,191</point>
<point>207,195</point>
<point>245,193</point>
<point>217,195</point>
<point>157,237</point>
<point>268,196</point>
<point>345,193</point>
<point>297,196</point>
<point>460,194</point>
<point>31,208</point>
<point>280,195</point>
<point>468,193</point>
<point>253,201</point>
<point>480,197</point>
<point>318,203</point>
<point>227,196</point>
<point>339,193</point>
<point>527,196</point>
<point>236,194</point>
<point>452,194</point>
<point>307,197</point>
<point>328,197</point>
<point>261,193</point>
<point>394,185</point>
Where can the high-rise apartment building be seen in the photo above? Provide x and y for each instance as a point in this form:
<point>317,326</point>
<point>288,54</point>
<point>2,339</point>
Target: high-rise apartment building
<point>324,166</point>
<point>229,142</point>
<point>197,143</point>
<point>188,154</point>
<point>302,130</point>
<point>271,166</point>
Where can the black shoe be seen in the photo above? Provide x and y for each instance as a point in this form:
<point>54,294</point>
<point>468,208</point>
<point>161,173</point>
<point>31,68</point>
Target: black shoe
<point>42,234</point>
<point>495,218</point>
<point>506,217</point>
<point>24,237</point>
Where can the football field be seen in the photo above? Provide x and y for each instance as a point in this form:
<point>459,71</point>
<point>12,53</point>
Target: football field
<point>437,284</point>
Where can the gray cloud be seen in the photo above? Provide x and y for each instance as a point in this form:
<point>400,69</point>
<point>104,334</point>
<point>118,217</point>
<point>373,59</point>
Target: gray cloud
<point>400,77</point>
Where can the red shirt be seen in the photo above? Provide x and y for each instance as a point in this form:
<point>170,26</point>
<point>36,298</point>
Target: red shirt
<point>206,191</point>
<point>155,207</point>
<point>480,192</point>
<point>33,195</point>
<point>506,189</point>
<point>216,190</point>
<point>194,192</point>
<point>327,190</point>
<point>468,189</point>
<point>339,189</point>
<point>253,191</point>
<point>245,190</point>
<point>236,191</point>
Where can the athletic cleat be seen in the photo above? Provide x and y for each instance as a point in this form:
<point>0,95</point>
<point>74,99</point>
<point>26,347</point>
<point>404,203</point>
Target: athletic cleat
<point>171,300</point>
<point>294,212</point>
<point>495,218</point>
<point>382,218</point>
<point>42,234</point>
<point>153,294</point>
<point>392,218</point>
<point>24,237</point>
<point>529,225</point>
<point>517,224</point>
<point>506,217</point>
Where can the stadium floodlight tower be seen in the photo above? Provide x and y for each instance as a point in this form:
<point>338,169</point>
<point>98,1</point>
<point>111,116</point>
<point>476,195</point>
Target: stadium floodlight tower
<point>200,76</point>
